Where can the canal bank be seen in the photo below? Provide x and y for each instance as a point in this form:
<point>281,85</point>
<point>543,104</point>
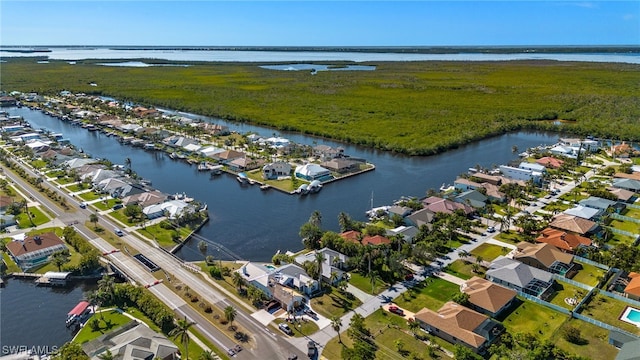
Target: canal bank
<point>256,224</point>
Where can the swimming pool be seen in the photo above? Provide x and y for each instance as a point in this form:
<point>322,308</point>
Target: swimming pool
<point>631,315</point>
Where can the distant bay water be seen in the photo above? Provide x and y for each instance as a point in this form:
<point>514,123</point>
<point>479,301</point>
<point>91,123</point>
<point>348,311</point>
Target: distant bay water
<point>104,53</point>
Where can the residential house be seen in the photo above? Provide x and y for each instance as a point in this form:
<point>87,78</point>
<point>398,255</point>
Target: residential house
<point>30,251</point>
<point>545,257</point>
<point>275,170</point>
<point>619,339</point>
<point>623,150</point>
<point>564,241</point>
<point>341,165</point>
<point>295,277</point>
<point>5,202</point>
<point>602,204</point>
<point>289,298</point>
<point>400,210</point>
<point>145,199</point>
<point>7,221</point>
<point>257,275</point>
<point>436,205</point>
<point>535,167</point>
<point>132,341</point>
<point>176,141</point>
<point>7,101</point>
<point>473,198</point>
<point>623,195</point>
<point>312,172</point>
<point>487,297</point>
<point>573,224</point>
<point>635,175</point>
<point>584,212</point>
<point>407,233</point>
<point>172,209</point>
<point>627,184</point>
<point>482,178</point>
<point>550,162</point>
<point>333,263</point>
<point>326,153</point>
<point>461,326</point>
<point>78,163</point>
<point>228,155</point>
<point>210,151</point>
<point>521,174</point>
<point>421,217</point>
<point>357,238</point>
<point>632,290</point>
<point>113,186</point>
<point>244,164</point>
<point>520,277</point>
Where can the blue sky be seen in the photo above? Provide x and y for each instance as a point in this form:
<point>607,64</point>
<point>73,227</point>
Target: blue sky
<point>319,23</point>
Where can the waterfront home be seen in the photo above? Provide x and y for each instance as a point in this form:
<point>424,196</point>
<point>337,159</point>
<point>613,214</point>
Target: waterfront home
<point>132,341</point>
<point>145,199</point>
<point>492,191</point>
<point>622,151</point>
<point>244,164</point>
<point>437,204</point>
<point>564,241</point>
<point>176,141</point>
<point>113,186</point>
<point>602,204</point>
<point>96,175</point>
<point>487,297</point>
<point>357,237</point>
<point>399,210</point>
<point>142,112</point>
<point>228,156</point>
<point>334,263</point>
<point>473,198</point>
<point>421,217</point>
<point>341,165</point>
<point>550,162</point>
<point>584,212</point>
<point>407,233</point>
<point>576,144</point>
<point>295,277</point>
<point>257,275</point>
<point>23,138</point>
<point>275,170</point>
<point>632,290</point>
<point>30,251</point>
<point>78,162</point>
<point>172,209</point>
<point>213,129</point>
<point>210,151</point>
<point>326,152</point>
<point>5,202</point>
<point>627,184</point>
<point>289,298</point>
<point>545,257</point>
<point>520,277</point>
<point>522,174</point>
<point>461,326</point>
<point>491,179</point>
<point>39,145</point>
<point>7,101</point>
<point>573,224</point>
<point>312,172</point>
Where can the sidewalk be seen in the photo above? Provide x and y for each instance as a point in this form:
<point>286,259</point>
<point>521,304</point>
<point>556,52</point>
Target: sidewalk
<point>361,295</point>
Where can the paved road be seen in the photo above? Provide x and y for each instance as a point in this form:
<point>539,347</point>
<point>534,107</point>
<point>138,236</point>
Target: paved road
<point>264,344</point>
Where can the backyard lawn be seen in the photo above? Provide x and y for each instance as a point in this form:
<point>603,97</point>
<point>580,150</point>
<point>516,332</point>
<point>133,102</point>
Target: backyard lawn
<point>364,283</point>
<point>164,237</point>
<point>432,294</point>
<point>630,212</point>
<point>109,320</point>
<point>334,303</point>
<point>589,275</point>
<point>625,226</point>
<point>463,270</point>
<point>106,205</point>
<point>388,330</point>
<point>565,290</point>
<point>608,310</point>
<point>595,337</point>
<point>535,319</point>
<point>510,237</point>
<point>489,252</point>
<point>37,218</point>
<point>90,196</point>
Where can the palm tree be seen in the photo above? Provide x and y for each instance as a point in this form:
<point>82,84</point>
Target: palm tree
<point>334,277</point>
<point>319,260</point>
<point>206,355</point>
<point>237,280</point>
<point>93,218</point>
<point>414,326</point>
<point>127,163</point>
<point>59,258</point>
<point>336,324</point>
<point>230,314</point>
<point>107,355</point>
<point>181,332</point>
<point>373,275</point>
<point>344,221</point>
<point>106,286</point>
<point>316,218</point>
<point>95,299</point>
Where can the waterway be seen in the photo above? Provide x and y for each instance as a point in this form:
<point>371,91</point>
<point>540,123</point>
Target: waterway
<point>255,224</point>
<point>34,317</point>
<point>74,53</point>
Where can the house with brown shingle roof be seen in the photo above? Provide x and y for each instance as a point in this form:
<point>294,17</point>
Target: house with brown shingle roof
<point>564,241</point>
<point>145,199</point>
<point>460,326</point>
<point>622,194</point>
<point>228,155</point>
<point>32,251</point>
<point>573,224</point>
<point>486,297</point>
<point>550,162</point>
<point>545,257</point>
<point>437,204</point>
<point>356,237</point>
<point>633,288</point>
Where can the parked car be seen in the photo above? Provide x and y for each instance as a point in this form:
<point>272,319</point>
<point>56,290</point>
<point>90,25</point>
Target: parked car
<point>311,349</point>
<point>117,206</point>
<point>396,310</point>
<point>491,229</point>
<point>83,205</point>
<point>285,328</point>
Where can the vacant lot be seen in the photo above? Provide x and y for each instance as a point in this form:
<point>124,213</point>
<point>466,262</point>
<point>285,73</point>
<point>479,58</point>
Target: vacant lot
<point>432,294</point>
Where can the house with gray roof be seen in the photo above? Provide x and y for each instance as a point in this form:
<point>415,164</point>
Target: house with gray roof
<point>520,277</point>
<point>407,232</point>
<point>132,341</point>
<point>602,204</point>
<point>421,217</point>
<point>627,184</point>
<point>472,197</point>
<point>334,262</point>
<point>584,212</point>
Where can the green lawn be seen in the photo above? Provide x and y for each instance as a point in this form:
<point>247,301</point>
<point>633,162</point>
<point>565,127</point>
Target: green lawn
<point>557,206</point>
<point>74,260</point>
<point>163,236</point>
<point>90,196</point>
<point>387,329</point>
<point>629,226</point>
<point>38,164</point>
<point>301,328</point>
<point>565,290</point>
<point>463,270</point>
<point>608,310</point>
<point>432,294</point>
<point>64,180</point>
<point>589,274</point>
<point>116,319</point>
<point>76,188</point>
<point>489,252</point>
<point>334,303</point>
<point>535,319</point>
<point>106,205</point>
<point>619,239</point>
<point>364,284</point>
<point>634,213</point>
<point>11,265</point>
<point>120,216</point>
<point>510,237</point>
<point>37,218</point>
<point>597,345</point>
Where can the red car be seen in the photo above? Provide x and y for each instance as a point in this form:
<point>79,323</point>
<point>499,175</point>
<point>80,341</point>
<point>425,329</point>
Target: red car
<point>396,310</point>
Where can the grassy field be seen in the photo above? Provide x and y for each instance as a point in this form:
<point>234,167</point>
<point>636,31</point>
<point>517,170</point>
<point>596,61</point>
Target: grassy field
<point>432,294</point>
<point>334,303</point>
<point>364,284</point>
<point>565,290</point>
<point>387,329</point>
<point>163,236</point>
<point>608,310</point>
<point>463,270</point>
<point>114,317</point>
<point>596,344</point>
<point>589,274</point>
<point>489,252</point>
<point>535,319</point>
<point>460,102</point>
<point>37,218</point>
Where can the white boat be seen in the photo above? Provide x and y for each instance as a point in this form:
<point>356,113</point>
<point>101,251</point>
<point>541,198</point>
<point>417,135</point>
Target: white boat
<point>216,169</point>
<point>315,186</point>
<point>242,178</point>
<point>303,189</point>
<point>265,187</point>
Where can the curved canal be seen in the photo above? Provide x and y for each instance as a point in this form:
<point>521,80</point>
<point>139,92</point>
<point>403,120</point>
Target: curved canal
<point>255,224</point>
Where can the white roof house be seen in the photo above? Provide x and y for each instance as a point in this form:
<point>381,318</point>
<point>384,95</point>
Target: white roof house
<point>172,208</point>
<point>209,151</point>
<point>311,172</point>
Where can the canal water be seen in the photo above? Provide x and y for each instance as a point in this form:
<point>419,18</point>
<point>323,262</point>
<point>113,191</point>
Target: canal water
<point>34,317</point>
<point>255,224</point>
